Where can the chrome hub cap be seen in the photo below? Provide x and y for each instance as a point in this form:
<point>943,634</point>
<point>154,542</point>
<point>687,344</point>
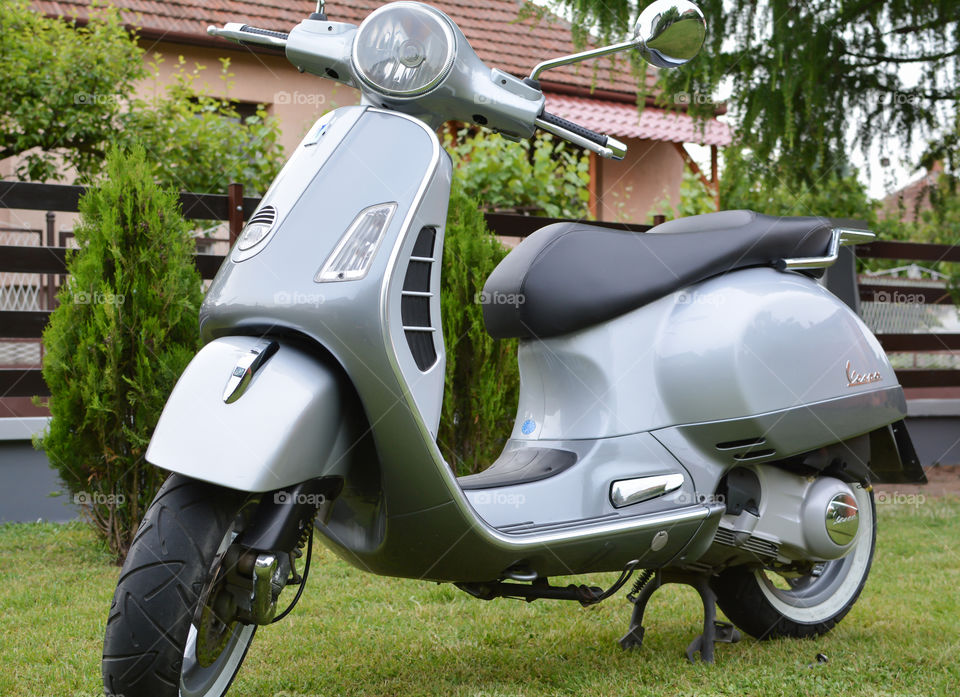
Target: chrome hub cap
<point>842,519</point>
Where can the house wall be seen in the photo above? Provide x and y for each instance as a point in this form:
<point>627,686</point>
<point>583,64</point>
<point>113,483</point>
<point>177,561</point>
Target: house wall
<point>295,99</point>
<point>629,190</point>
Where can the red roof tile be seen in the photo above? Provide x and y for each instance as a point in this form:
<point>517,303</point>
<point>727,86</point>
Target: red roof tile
<point>622,121</point>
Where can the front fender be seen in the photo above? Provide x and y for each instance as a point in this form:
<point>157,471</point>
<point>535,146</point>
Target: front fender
<point>291,424</point>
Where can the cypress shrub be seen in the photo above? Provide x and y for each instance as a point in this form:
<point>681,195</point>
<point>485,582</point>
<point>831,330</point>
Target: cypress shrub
<point>482,381</point>
<point>125,329</point>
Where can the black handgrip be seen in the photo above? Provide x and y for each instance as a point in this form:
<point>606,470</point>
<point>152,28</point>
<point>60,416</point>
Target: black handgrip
<point>593,136</point>
<point>264,32</point>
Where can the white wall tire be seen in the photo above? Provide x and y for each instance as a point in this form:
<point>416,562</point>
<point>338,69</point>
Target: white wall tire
<point>813,604</point>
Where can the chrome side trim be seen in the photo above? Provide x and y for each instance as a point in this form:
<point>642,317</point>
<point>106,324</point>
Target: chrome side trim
<point>654,521</point>
<point>630,491</point>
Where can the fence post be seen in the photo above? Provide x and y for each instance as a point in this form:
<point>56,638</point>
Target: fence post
<point>51,242</point>
<point>659,219</point>
<point>235,210</point>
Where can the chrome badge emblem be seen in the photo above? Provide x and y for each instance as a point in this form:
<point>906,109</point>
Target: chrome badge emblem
<point>855,379</point>
<point>842,519</point>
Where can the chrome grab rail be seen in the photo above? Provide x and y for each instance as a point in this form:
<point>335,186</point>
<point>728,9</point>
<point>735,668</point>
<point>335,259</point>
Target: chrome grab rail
<point>840,237</point>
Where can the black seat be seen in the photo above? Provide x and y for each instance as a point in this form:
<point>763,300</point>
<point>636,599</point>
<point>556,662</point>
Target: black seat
<point>568,276</point>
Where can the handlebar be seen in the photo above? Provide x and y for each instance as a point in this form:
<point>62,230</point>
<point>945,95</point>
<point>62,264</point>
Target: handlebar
<point>561,122</point>
<point>603,145</point>
<point>265,32</point>
<point>244,33</point>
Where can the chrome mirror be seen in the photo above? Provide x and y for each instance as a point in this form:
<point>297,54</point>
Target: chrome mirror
<point>668,34</point>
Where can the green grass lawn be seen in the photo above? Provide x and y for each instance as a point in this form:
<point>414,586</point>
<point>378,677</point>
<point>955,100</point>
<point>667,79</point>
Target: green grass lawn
<point>356,634</point>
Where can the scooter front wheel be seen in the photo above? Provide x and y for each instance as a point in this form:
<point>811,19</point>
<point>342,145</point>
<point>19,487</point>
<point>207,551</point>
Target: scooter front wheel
<point>767,606</point>
<point>163,638</point>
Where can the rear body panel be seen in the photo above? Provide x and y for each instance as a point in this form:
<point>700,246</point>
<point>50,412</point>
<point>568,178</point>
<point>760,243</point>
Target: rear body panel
<point>751,342</point>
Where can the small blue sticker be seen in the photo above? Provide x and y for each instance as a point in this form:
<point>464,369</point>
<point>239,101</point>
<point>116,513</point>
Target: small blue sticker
<point>528,427</point>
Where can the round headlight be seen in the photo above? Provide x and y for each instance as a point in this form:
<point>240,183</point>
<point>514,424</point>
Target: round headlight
<point>404,49</point>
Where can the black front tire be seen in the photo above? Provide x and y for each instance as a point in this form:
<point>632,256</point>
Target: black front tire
<point>171,563</point>
<point>812,605</point>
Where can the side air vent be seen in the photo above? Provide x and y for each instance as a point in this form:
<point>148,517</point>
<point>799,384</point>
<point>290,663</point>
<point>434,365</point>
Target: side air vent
<point>265,216</point>
<point>746,449</point>
<point>738,444</point>
<point>418,322</point>
<point>749,455</point>
<point>755,545</point>
<point>257,228</point>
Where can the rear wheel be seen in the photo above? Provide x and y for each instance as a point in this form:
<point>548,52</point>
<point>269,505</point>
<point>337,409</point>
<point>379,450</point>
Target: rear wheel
<point>163,635</point>
<point>767,605</point>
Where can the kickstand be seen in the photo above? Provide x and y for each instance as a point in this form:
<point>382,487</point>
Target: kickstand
<point>713,631</point>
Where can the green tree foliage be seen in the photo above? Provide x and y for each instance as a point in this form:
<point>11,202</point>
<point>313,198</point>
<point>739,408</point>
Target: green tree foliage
<point>837,195</point>
<point>482,381</point>
<point>124,331</point>
<point>63,88</point>
<point>803,74</point>
<point>201,143</point>
<point>545,176</point>
<point>69,92</point>
<point>944,152</point>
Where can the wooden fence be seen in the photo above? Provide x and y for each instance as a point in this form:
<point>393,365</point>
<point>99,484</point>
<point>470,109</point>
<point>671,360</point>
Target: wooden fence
<point>914,342</point>
<point>235,208</point>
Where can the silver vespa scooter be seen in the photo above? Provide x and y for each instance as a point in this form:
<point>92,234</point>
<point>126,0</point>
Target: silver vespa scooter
<point>694,406</point>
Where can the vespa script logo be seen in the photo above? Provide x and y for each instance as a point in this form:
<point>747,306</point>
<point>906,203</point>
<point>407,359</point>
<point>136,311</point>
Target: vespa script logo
<point>855,379</point>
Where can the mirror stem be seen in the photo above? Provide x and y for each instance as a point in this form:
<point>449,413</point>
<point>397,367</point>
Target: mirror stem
<point>577,57</point>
